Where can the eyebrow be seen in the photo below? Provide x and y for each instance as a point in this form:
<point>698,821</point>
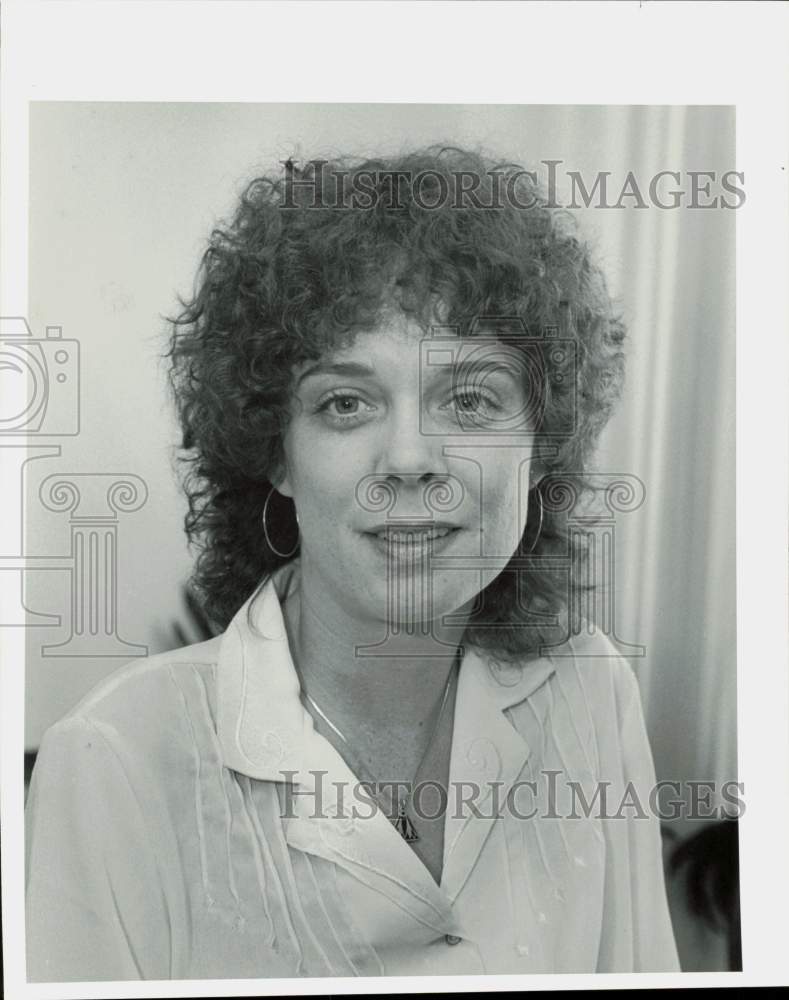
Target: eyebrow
<point>358,370</point>
<point>469,367</point>
<point>337,368</point>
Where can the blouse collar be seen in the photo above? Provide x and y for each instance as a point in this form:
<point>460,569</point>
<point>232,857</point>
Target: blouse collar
<point>266,733</point>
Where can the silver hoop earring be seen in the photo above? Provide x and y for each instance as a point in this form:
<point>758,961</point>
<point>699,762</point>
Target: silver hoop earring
<point>282,555</point>
<point>539,528</point>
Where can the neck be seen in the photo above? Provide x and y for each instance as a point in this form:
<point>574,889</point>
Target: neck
<point>392,694</point>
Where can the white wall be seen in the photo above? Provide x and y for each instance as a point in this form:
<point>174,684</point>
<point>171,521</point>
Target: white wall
<point>122,199</point>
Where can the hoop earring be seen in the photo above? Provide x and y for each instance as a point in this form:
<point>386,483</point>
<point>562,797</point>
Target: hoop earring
<point>539,528</point>
<point>282,555</point>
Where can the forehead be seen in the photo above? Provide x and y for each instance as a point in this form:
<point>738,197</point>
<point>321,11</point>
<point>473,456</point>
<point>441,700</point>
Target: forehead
<point>398,339</point>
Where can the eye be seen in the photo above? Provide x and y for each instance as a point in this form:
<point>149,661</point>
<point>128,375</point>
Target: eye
<point>469,401</point>
<point>342,407</point>
<point>345,405</point>
<point>474,403</point>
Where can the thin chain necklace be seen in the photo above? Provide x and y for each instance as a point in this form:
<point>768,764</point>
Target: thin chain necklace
<point>402,822</point>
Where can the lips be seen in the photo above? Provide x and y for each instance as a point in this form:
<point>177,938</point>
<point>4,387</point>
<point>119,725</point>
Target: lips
<point>407,545</point>
<point>412,533</point>
<point>415,534</point>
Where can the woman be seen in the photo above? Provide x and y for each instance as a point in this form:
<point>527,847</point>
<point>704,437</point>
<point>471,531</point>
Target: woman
<point>390,377</point>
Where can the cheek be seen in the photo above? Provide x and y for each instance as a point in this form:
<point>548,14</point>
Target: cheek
<point>504,504</point>
<point>324,479</point>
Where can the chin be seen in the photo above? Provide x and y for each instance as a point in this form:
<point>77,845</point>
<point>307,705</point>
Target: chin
<point>446,594</point>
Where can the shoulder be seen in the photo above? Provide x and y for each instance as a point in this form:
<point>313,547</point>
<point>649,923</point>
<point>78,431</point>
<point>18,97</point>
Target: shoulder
<point>583,685</point>
<point>590,664</point>
<point>586,667</point>
<point>588,696</point>
<point>146,705</point>
<point>138,681</point>
<point>600,687</point>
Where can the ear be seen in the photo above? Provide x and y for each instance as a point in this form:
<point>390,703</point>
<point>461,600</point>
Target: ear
<point>280,480</point>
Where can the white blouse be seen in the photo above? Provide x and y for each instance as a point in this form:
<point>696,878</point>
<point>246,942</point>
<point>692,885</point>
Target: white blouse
<point>173,830</point>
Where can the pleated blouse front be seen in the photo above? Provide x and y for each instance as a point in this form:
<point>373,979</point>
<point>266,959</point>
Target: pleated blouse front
<point>174,829</point>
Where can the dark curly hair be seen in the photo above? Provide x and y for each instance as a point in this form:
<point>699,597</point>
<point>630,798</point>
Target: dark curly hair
<point>304,265</point>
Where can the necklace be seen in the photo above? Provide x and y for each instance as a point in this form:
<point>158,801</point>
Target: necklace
<point>402,822</point>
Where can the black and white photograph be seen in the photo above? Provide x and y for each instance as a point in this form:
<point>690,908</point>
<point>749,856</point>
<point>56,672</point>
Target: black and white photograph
<point>373,579</point>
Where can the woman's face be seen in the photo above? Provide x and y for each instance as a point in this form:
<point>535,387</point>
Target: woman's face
<point>405,449</point>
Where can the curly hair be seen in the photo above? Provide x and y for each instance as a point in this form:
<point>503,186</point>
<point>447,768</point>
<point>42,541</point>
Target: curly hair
<point>307,262</point>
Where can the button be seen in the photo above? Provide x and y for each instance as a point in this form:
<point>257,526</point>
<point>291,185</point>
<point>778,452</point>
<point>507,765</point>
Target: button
<point>452,939</point>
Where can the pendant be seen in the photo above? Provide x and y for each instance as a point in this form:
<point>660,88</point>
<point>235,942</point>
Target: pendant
<point>404,826</point>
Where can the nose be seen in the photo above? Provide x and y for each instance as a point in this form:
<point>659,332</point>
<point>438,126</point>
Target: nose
<point>408,452</point>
